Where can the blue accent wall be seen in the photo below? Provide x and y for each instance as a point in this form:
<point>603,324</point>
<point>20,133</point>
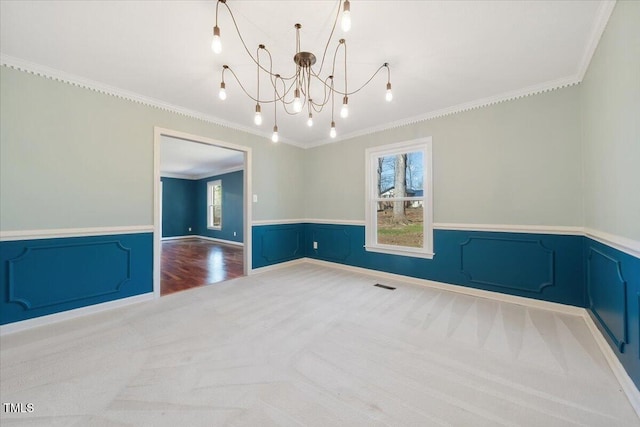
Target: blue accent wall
<point>178,207</point>
<point>540,266</point>
<point>232,206</point>
<point>273,244</point>
<point>46,276</point>
<point>613,300</point>
<point>184,205</point>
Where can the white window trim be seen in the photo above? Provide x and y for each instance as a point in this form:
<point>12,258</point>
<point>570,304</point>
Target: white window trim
<point>210,185</point>
<point>371,156</point>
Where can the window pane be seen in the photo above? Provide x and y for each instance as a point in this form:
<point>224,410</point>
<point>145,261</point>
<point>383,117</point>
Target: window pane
<point>217,216</point>
<point>401,224</point>
<point>401,175</point>
<point>217,195</point>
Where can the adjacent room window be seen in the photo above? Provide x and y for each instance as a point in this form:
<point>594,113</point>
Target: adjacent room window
<point>399,199</point>
<point>214,205</point>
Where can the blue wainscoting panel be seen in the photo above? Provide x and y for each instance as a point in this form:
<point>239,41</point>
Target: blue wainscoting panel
<point>519,264</point>
<point>66,266</point>
<point>613,286</point>
<point>607,291</point>
<point>333,242</point>
<point>542,266</point>
<point>273,244</point>
<point>46,276</point>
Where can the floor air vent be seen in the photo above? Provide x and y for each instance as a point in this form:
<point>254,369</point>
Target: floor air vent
<point>391,288</point>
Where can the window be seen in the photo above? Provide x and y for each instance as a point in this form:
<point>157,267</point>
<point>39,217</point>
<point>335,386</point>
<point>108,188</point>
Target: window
<point>214,205</point>
<point>399,199</point>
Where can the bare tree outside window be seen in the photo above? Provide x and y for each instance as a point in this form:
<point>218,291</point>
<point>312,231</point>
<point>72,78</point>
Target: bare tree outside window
<point>400,204</point>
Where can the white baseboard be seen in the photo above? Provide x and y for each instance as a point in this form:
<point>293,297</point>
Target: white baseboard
<point>189,236</point>
<point>497,296</point>
<point>627,384</point>
<point>226,242</point>
<point>197,236</point>
<point>278,266</point>
<point>72,314</point>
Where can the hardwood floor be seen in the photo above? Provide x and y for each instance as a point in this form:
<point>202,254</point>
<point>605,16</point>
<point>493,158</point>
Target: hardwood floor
<point>192,263</point>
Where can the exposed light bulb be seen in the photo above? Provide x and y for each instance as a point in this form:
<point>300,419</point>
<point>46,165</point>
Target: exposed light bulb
<point>389,95</point>
<point>346,16</point>
<point>223,93</point>
<point>297,104</point>
<point>310,120</point>
<point>344,111</point>
<point>257,119</point>
<point>216,43</point>
<point>275,137</point>
<point>332,133</point>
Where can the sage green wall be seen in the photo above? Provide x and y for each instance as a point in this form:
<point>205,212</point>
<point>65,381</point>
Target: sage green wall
<point>517,162</point>
<point>71,157</point>
<point>611,127</point>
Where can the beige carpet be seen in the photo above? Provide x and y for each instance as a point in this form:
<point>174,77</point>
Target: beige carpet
<point>312,345</point>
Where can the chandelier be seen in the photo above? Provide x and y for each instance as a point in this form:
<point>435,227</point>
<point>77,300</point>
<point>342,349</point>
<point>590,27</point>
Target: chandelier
<point>293,90</point>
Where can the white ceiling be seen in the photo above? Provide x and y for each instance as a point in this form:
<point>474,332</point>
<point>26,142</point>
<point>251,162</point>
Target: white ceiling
<point>188,159</point>
<point>442,54</point>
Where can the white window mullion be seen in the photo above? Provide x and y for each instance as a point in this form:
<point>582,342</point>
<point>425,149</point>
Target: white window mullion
<point>417,176</point>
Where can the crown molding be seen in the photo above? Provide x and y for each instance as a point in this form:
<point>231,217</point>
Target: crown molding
<point>176,175</point>
<point>201,175</point>
<point>599,25</point>
<point>95,86</point>
<point>460,108</point>
<point>218,173</point>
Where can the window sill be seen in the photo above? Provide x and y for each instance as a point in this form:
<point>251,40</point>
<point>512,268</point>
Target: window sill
<point>401,252</point>
<point>214,228</point>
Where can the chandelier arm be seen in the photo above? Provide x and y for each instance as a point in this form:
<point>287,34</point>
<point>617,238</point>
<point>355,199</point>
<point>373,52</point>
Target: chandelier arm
<point>261,101</point>
<point>335,55</point>
<point>326,47</point>
<point>284,92</point>
<point>325,99</point>
<point>304,83</point>
<point>309,88</point>
<point>277,96</point>
<point>285,103</point>
<point>235,24</point>
<point>385,65</point>
<point>258,71</point>
<point>274,78</point>
<point>333,92</point>
<point>345,68</point>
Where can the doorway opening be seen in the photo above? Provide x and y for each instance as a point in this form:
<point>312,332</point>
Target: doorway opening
<point>202,211</point>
